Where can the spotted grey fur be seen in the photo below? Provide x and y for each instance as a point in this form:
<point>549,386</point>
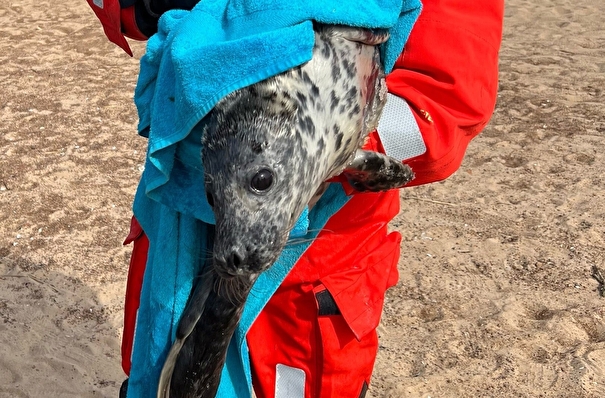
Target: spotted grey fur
<point>301,127</point>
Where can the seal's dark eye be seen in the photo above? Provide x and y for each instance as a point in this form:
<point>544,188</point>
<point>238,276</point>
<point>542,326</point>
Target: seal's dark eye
<point>262,180</point>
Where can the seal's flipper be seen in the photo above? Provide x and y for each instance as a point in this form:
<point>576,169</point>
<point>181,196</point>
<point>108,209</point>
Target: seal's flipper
<point>373,171</point>
<point>192,314</point>
<point>195,361</point>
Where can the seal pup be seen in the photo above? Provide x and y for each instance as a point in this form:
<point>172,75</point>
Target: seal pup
<point>267,151</point>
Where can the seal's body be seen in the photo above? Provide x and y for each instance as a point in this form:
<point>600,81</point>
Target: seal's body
<point>267,151</point>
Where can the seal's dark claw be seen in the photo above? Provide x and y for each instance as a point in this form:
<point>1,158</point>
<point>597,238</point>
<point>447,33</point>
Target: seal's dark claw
<point>375,172</point>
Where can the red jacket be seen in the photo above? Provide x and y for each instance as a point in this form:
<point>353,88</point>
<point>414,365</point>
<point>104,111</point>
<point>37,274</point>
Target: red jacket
<point>321,321</point>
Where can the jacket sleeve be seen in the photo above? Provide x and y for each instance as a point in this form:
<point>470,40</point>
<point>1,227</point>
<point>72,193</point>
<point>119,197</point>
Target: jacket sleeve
<point>448,75</point>
<point>136,19</point>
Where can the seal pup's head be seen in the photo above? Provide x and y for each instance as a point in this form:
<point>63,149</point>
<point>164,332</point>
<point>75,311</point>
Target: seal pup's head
<point>269,147</point>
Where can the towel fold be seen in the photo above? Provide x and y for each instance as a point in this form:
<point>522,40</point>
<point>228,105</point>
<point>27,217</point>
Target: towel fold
<point>196,58</point>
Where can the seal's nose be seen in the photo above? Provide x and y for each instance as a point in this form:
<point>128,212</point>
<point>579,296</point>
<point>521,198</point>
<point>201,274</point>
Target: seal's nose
<point>236,260</point>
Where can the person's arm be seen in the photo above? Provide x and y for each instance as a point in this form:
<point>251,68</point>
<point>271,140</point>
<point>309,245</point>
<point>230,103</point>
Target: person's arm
<point>136,19</point>
<point>448,75</point>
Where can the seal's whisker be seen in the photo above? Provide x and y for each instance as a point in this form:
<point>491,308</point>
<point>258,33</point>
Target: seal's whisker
<point>233,290</point>
<point>206,272</point>
<point>298,241</point>
<point>222,291</point>
<point>229,292</point>
<point>206,257</point>
<point>226,291</point>
<point>237,293</point>
<point>318,230</point>
<point>204,252</point>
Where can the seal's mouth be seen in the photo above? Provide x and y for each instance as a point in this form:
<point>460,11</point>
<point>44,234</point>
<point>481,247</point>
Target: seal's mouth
<point>233,288</point>
<point>235,273</point>
<point>228,273</point>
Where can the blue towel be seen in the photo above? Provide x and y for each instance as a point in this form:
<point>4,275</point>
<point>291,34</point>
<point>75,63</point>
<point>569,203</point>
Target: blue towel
<point>195,59</point>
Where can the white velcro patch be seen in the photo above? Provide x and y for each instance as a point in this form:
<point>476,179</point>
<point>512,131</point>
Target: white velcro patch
<point>289,382</point>
<point>398,130</point>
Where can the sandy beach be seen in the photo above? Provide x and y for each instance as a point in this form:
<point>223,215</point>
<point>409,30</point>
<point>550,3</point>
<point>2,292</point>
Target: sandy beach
<point>496,296</point>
